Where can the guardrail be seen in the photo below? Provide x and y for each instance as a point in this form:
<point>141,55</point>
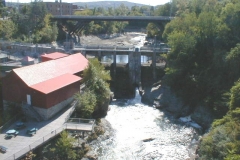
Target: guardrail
<point>46,138</point>
<point>86,124</point>
<point>120,48</point>
<point>80,120</point>
<point>37,143</point>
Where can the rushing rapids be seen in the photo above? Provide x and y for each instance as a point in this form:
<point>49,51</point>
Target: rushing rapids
<point>143,132</point>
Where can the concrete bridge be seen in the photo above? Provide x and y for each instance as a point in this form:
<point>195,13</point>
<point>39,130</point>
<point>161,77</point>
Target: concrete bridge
<point>113,18</point>
<point>82,21</point>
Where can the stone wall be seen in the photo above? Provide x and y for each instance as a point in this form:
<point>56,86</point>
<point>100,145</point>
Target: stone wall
<point>50,112</point>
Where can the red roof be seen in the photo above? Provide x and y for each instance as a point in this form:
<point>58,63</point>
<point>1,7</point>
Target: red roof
<point>55,83</point>
<point>54,55</point>
<point>44,71</point>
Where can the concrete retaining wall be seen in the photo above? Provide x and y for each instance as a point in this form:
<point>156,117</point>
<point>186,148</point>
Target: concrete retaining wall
<point>29,48</point>
<point>134,66</point>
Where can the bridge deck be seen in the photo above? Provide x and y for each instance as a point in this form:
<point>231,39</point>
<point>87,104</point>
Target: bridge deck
<point>112,18</point>
<point>80,127</point>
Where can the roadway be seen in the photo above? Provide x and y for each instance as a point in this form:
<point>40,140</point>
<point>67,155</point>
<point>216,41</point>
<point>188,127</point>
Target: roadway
<point>113,18</point>
<point>23,143</point>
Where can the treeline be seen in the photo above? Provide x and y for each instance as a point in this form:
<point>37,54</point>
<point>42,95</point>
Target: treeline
<point>203,68</point>
<point>30,24</point>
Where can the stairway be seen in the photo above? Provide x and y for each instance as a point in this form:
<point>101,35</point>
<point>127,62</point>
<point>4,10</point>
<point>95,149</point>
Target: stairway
<point>29,111</point>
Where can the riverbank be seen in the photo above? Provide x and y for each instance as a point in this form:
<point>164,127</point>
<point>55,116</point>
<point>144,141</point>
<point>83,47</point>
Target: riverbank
<point>160,96</point>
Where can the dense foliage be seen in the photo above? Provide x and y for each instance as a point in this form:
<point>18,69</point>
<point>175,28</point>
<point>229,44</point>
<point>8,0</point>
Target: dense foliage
<point>223,141</point>
<point>201,56</point>
<point>95,98</point>
<point>203,68</point>
<point>30,24</point>
<point>63,148</point>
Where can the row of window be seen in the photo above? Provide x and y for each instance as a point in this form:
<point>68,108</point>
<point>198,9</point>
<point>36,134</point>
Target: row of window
<point>63,6</point>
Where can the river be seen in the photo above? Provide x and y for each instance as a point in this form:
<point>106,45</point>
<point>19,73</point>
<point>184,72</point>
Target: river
<point>142,132</point>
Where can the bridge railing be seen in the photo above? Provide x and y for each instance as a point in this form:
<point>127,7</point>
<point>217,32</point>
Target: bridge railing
<point>35,144</point>
<point>80,120</point>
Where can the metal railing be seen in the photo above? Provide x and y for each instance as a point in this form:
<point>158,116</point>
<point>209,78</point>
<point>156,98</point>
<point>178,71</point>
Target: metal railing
<point>80,120</point>
<point>86,124</point>
<point>37,143</point>
<point>72,110</point>
<point>122,48</point>
<point>48,137</point>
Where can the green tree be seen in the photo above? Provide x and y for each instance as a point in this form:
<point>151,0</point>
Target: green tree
<point>153,30</point>
<point>85,12</point>
<point>233,61</point>
<point>3,11</point>
<point>64,147</point>
<point>48,33</point>
<point>135,11</point>
<point>196,53</point>
<point>95,79</point>
<point>86,103</point>
<point>37,12</point>
<point>122,10</point>
<point>235,96</point>
<point>7,29</point>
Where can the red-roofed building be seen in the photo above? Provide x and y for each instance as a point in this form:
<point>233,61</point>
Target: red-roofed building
<point>46,87</point>
<point>52,56</point>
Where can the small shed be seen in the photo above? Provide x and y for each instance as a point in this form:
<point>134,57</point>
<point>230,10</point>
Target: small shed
<point>27,61</point>
<point>52,56</point>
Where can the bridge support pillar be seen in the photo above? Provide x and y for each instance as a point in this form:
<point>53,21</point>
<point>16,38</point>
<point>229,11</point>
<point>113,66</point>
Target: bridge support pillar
<point>134,67</point>
<point>84,53</point>
<point>99,56</point>
<point>154,64</point>
<point>114,64</point>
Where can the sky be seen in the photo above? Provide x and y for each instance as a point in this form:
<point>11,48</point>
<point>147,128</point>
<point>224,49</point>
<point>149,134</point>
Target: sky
<point>146,2</point>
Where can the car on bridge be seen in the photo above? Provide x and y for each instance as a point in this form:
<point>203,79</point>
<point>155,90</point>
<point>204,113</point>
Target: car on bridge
<point>20,125</point>
<point>32,131</point>
<point>11,133</point>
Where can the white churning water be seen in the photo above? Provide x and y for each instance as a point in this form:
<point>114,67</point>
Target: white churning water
<point>142,132</point>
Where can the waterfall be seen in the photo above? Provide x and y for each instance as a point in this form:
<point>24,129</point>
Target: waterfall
<point>143,132</point>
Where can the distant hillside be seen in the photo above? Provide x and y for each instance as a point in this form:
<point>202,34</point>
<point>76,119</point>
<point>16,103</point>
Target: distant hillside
<point>107,4</point>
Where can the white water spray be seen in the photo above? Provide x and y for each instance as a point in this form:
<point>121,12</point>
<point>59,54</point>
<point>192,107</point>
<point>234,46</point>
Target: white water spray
<point>143,132</point>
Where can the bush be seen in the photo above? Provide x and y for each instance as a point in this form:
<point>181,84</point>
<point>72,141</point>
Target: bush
<point>223,141</point>
<point>86,103</point>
